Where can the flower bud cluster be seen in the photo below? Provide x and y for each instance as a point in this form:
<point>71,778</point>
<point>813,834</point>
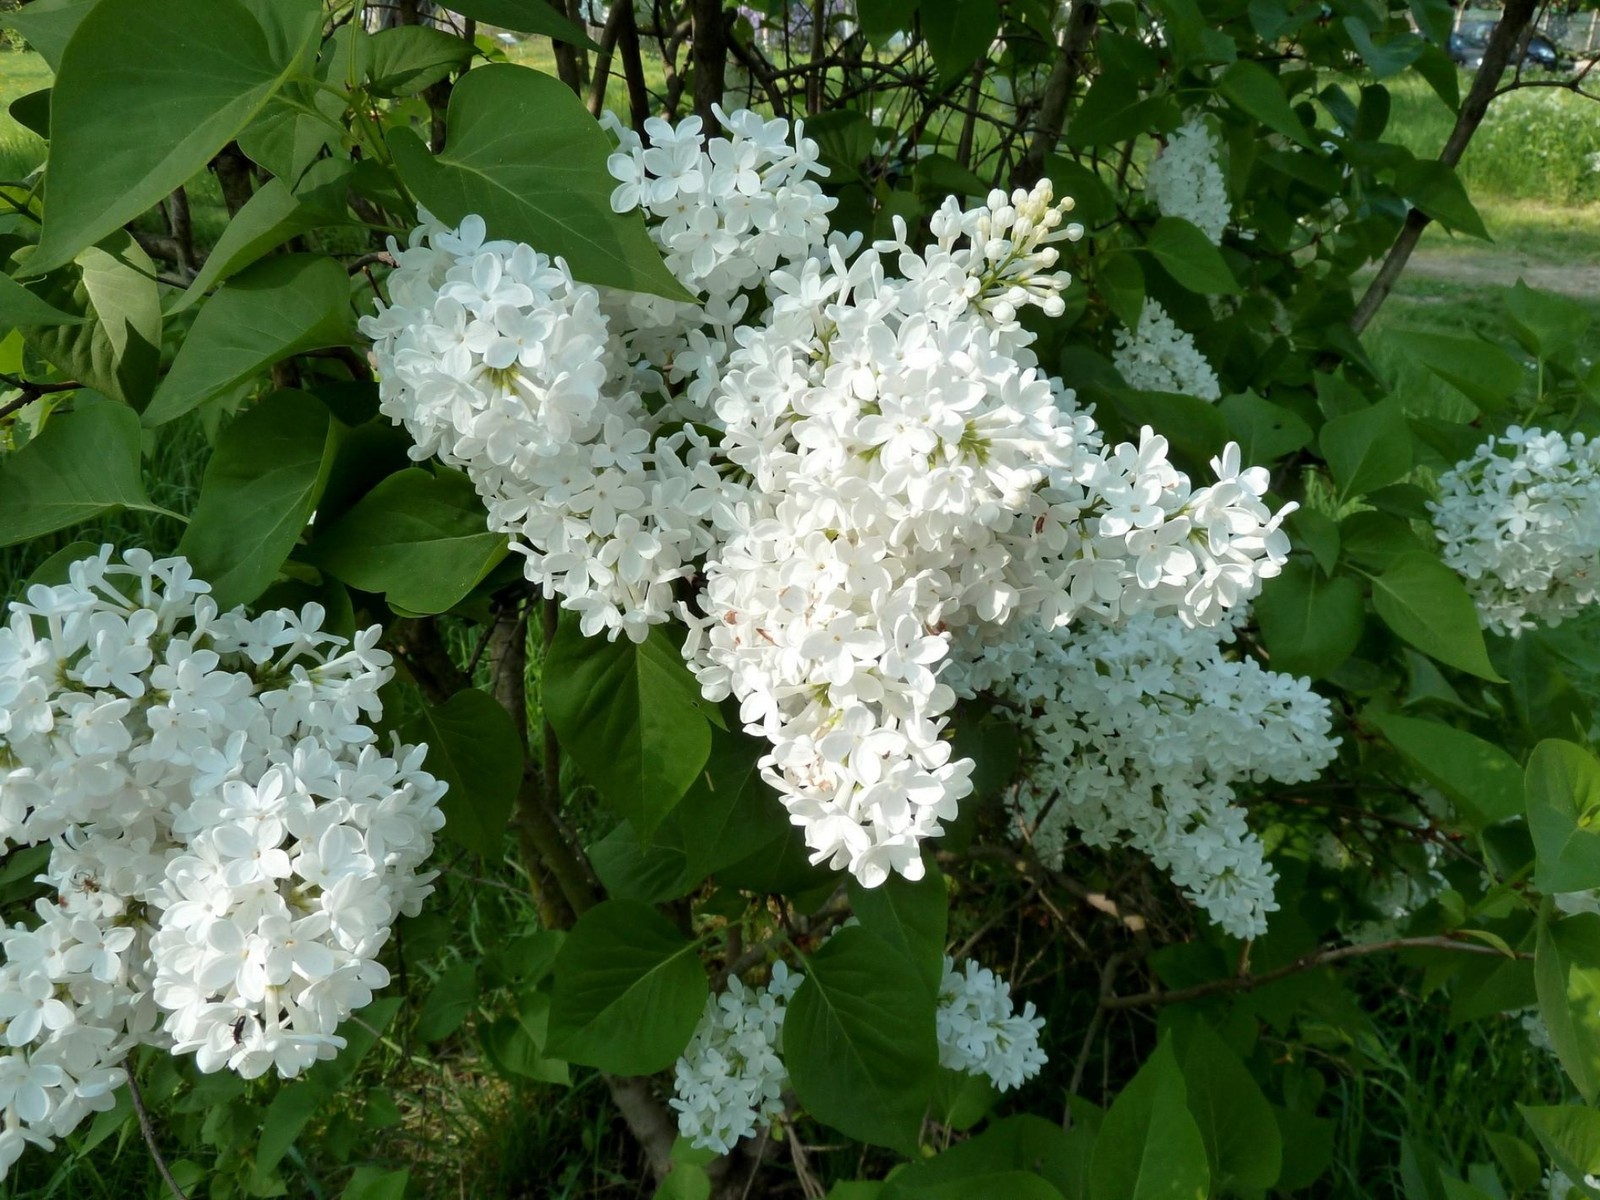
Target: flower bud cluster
<point>1142,731</point>
<point>1186,181</point>
<point>1160,357</point>
<point>877,466</point>
<point>1520,522</point>
<point>228,845</point>
<point>730,1080</point>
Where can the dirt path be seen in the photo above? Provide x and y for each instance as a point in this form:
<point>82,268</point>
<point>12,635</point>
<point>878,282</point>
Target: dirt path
<point>1503,269</point>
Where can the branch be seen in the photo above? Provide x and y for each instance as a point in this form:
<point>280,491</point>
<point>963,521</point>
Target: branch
<point>1306,962</point>
<point>31,391</point>
<point>148,1130</point>
<point>1516,19</point>
<point>1058,91</point>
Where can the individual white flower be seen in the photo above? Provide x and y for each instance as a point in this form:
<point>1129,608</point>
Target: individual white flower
<point>1160,357</point>
<point>1520,522</point>
<point>1186,181</point>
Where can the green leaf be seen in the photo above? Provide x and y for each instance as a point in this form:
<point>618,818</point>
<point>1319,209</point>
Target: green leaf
<point>473,746</point>
<point>958,33</point>
<point>1243,1146</point>
<point>261,487</point>
<point>374,1183</point>
<point>19,306</point>
<point>1265,431</point>
<point>526,156</point>
<point>290,1110</point>
<point>1190,258</point>
<point>1000,1162</point>
<point>629,990</point>
<point>188,83</point>
<point>1545,324</point>
<point>1194,427</point>
<point>1149,1147</point>
<point>83,464</point>
<point>117,349</point>
<point>278,308</point>
<point>525,16</point>
<point>1113,111</point>
<point>685,1181</point>
<point>418,539</point>
<point>1570,1134</point>
<point>631,870</point>
<point>516,1044</point>
<point>914,918</point>
<point>1120,281</point>
<point>1367,449</point>
<point>271,216</point>
<point>1479,369</point>
<point>859,1041</point>
<point>729,812</point>
<point>449,1003</point>
<point>1478,775</point>
<point>1562,790</point>
<point>407,59</point>
<point>1310,624</point>
<point>1425,603</point>
<point>1434,188</point>
<point>48,25</point>
<point>1566,973</point>
<point>630,716</point>
<point>1256,91</point>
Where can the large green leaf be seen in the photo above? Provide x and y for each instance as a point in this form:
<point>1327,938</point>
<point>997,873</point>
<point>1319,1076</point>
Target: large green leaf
<point>629,990</point>
<point>83,464</point>
<point>473,746</point>
<point>261,487</point>
<point>1566,973</point>
<point>1367,449</point>
<point>1149,1147</point>
<point>269,218</point>
<point>526,156</point>
<point>1264,430</point>
<point>117,349</point>
<point>1434,187</point>
<point>407,59</point>
<point>912,917</point>
<point>20,306</point>
<point>1243,1146</point>
<point>860,1042</point>
<point>1257,91</point>
<point>418,539</point>
<point>729,812</point>
<point>278,308</point>
<point>631,717</point>
<point>1562,790</point>
<point>525,16</point>
<point>1190,258</point>
<point>1425,602</point>
<point>140,106</point>
<point>1000,1162</point>
<point>1483,372</point>
<point>1570,1134</point>
<point>1478,775</point>
<point>48,25</point>
<point>958,33</point>
<point>1310,624</point>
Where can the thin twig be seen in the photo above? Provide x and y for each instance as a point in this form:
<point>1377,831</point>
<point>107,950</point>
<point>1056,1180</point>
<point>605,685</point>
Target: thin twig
<point>31,391</point>
<point>1306,962</point>
<point>148,1130</point>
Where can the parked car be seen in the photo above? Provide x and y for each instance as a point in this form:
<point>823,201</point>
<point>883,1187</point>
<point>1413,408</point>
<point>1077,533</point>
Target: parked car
<point>1468,43</point>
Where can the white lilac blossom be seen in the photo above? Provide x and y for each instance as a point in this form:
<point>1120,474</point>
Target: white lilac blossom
<point>1186,181</point>
<point>1140,734</point>
<point>834,464</point>
<point>980,1031</point>
<point>229,846</point>
<point>730,1080</point>
<point>1160,357</point>
<point>1520,522</point>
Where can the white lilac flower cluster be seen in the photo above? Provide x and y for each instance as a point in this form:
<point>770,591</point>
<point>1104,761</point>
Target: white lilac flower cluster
<point>839,464</point>
<point>1186,181</point>
<point>1140,734</point>
<point>1520,521</point>
<point>1160,357</point>
<point>228,844</point>
<point>730,1080</point>
<point>980,1031</point>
